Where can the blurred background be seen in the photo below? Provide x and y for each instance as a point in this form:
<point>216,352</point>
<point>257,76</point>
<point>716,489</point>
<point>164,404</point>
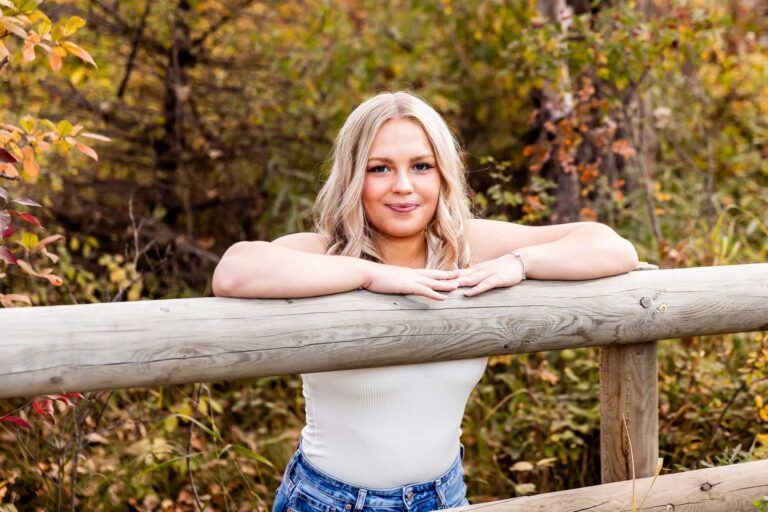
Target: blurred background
<point>153,135</point>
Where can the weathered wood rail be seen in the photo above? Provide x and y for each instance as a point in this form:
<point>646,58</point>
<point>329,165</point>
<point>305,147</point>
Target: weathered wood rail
<point>110,346</point>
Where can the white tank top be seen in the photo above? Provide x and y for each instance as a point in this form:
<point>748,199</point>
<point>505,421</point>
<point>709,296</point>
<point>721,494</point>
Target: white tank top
<point>380,428</point>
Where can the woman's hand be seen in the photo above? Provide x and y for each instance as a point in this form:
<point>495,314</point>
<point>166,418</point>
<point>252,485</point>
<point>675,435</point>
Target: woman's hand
<point>501,272</point>
<point>411,281</point>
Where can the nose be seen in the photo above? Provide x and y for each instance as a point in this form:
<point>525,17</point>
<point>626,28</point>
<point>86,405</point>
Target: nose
<point>402,184</point>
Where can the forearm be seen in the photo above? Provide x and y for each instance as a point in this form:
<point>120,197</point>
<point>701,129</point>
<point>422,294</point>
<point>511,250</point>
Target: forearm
<point>265,270</point>
<point>592,251</point>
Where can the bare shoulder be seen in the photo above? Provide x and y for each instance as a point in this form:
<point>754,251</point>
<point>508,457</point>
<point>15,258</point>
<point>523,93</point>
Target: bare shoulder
<point>489,239</point>
<point>307,242</point>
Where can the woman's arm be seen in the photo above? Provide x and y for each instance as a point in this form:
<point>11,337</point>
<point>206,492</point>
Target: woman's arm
<point>295,266</point>
<point>582,250</point>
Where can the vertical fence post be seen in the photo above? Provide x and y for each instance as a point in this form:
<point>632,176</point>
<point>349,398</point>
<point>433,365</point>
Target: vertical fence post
<point>629,411</point>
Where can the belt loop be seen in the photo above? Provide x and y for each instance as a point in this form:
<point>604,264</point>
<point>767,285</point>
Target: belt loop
<point>440,491</point>
<point>360,503</point>
<point>461,451</point>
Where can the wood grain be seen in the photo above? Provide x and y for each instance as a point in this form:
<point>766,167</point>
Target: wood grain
<point>629,411</point>
<point>150,343</point>
<point>730,488</point>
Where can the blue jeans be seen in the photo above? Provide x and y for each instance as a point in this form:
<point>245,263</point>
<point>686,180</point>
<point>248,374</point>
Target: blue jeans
<point>307,489</point>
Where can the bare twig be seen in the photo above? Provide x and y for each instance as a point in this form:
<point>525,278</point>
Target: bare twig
<point>646,176</point>
<point>77,447</point>
<point>3,62</point>
<point>188,458</point>
<point>134,49</point>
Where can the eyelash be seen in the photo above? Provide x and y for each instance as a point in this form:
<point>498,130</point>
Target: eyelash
<point>425,164</point>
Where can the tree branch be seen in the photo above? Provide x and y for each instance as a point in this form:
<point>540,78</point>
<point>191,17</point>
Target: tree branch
<point>134,49</point>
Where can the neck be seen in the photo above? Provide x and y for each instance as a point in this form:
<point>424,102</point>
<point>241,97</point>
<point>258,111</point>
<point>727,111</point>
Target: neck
<point>404,252</point>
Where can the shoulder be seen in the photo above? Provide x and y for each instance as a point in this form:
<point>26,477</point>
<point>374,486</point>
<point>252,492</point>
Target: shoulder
<point>307,242</point>
<point>489,239</point>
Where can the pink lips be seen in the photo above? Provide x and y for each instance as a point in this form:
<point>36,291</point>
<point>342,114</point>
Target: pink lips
<point>402,207</point>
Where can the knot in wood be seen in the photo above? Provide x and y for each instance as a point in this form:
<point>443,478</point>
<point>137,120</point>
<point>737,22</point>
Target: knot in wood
<point>645,302</point>
<point>705,486</point>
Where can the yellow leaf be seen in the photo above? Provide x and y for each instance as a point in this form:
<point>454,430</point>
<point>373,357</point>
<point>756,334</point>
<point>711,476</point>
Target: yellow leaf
<point>72,25</point>
<point>29,240</point>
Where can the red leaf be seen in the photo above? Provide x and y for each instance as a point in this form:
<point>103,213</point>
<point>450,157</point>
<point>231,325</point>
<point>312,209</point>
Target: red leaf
<point>7,256</point>
<point>16,421</point>
<point>45,409</point>
<point>7,157</point>
<point>75,395</point>
<point>8,232</point>
<point>26,217</point>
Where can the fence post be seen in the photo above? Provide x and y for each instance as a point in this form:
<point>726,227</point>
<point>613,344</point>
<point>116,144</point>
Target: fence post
<point>629,411</point>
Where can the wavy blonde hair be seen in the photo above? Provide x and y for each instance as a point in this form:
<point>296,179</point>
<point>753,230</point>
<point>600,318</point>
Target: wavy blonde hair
<point>339,212</point>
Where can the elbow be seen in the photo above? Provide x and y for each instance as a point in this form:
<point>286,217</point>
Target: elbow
<point>231,274</point>
<point>631,258</point>
<point>624,254</point>
<point>225,281</point>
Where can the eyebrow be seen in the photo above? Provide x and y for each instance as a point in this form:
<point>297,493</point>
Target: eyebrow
<point>388,160</point>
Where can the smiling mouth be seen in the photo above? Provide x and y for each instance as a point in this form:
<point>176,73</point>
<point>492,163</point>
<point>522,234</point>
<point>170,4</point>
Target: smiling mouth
<point>402,208</point>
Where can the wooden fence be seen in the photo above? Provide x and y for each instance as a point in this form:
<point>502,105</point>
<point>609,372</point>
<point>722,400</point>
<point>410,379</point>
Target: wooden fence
<point>111,346</point>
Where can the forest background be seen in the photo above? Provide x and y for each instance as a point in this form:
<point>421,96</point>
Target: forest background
<point>147,137</point>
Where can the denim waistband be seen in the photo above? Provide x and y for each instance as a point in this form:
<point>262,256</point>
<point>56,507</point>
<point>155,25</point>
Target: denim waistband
<point>300,468</point>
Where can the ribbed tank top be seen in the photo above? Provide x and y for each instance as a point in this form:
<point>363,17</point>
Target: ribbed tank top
<point>380,428</point>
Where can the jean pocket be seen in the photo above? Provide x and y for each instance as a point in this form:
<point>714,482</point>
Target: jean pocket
<point>305,498</point>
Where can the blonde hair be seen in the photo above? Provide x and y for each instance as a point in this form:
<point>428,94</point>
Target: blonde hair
<point>339,212</point>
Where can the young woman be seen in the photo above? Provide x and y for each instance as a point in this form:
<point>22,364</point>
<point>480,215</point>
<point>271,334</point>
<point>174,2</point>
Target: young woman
<point>393,217</point>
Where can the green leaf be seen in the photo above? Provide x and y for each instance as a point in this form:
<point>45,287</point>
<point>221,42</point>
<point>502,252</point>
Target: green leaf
<point>28,123</point>
<point>247,452</point>
<point>28,5</point>
<point>64,128</point>
<point>44,27</point>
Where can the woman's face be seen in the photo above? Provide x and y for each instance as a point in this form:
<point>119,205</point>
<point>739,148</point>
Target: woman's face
<point>402,181</point>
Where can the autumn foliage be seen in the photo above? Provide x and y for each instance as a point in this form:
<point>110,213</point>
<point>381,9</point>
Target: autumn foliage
<point>649,116</point>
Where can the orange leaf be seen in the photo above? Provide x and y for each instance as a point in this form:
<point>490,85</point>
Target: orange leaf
<point>587,213</point>
<point>9,170</point>
<point>88,151</point>
<point>79,53</point>
<point>29,162</point>
<point>55,61</point>
<point>28,52</point>
<point>623,148</point>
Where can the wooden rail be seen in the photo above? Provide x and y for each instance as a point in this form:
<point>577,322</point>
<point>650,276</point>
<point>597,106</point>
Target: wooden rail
<point>731,488</point>
<point>111,346</point>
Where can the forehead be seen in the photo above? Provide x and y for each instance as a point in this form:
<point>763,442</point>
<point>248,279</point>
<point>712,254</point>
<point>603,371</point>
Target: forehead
<point>400,135</point>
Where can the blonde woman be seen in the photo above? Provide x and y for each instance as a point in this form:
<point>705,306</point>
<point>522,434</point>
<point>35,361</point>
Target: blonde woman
<point>393,217</point>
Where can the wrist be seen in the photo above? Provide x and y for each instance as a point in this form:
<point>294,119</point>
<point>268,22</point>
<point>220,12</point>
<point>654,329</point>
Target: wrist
<point>521,260</point>
<point>364,272</point>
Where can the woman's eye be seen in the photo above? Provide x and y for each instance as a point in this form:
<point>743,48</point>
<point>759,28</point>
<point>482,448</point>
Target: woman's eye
<point>423,166</point>
<point>377,169</point>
